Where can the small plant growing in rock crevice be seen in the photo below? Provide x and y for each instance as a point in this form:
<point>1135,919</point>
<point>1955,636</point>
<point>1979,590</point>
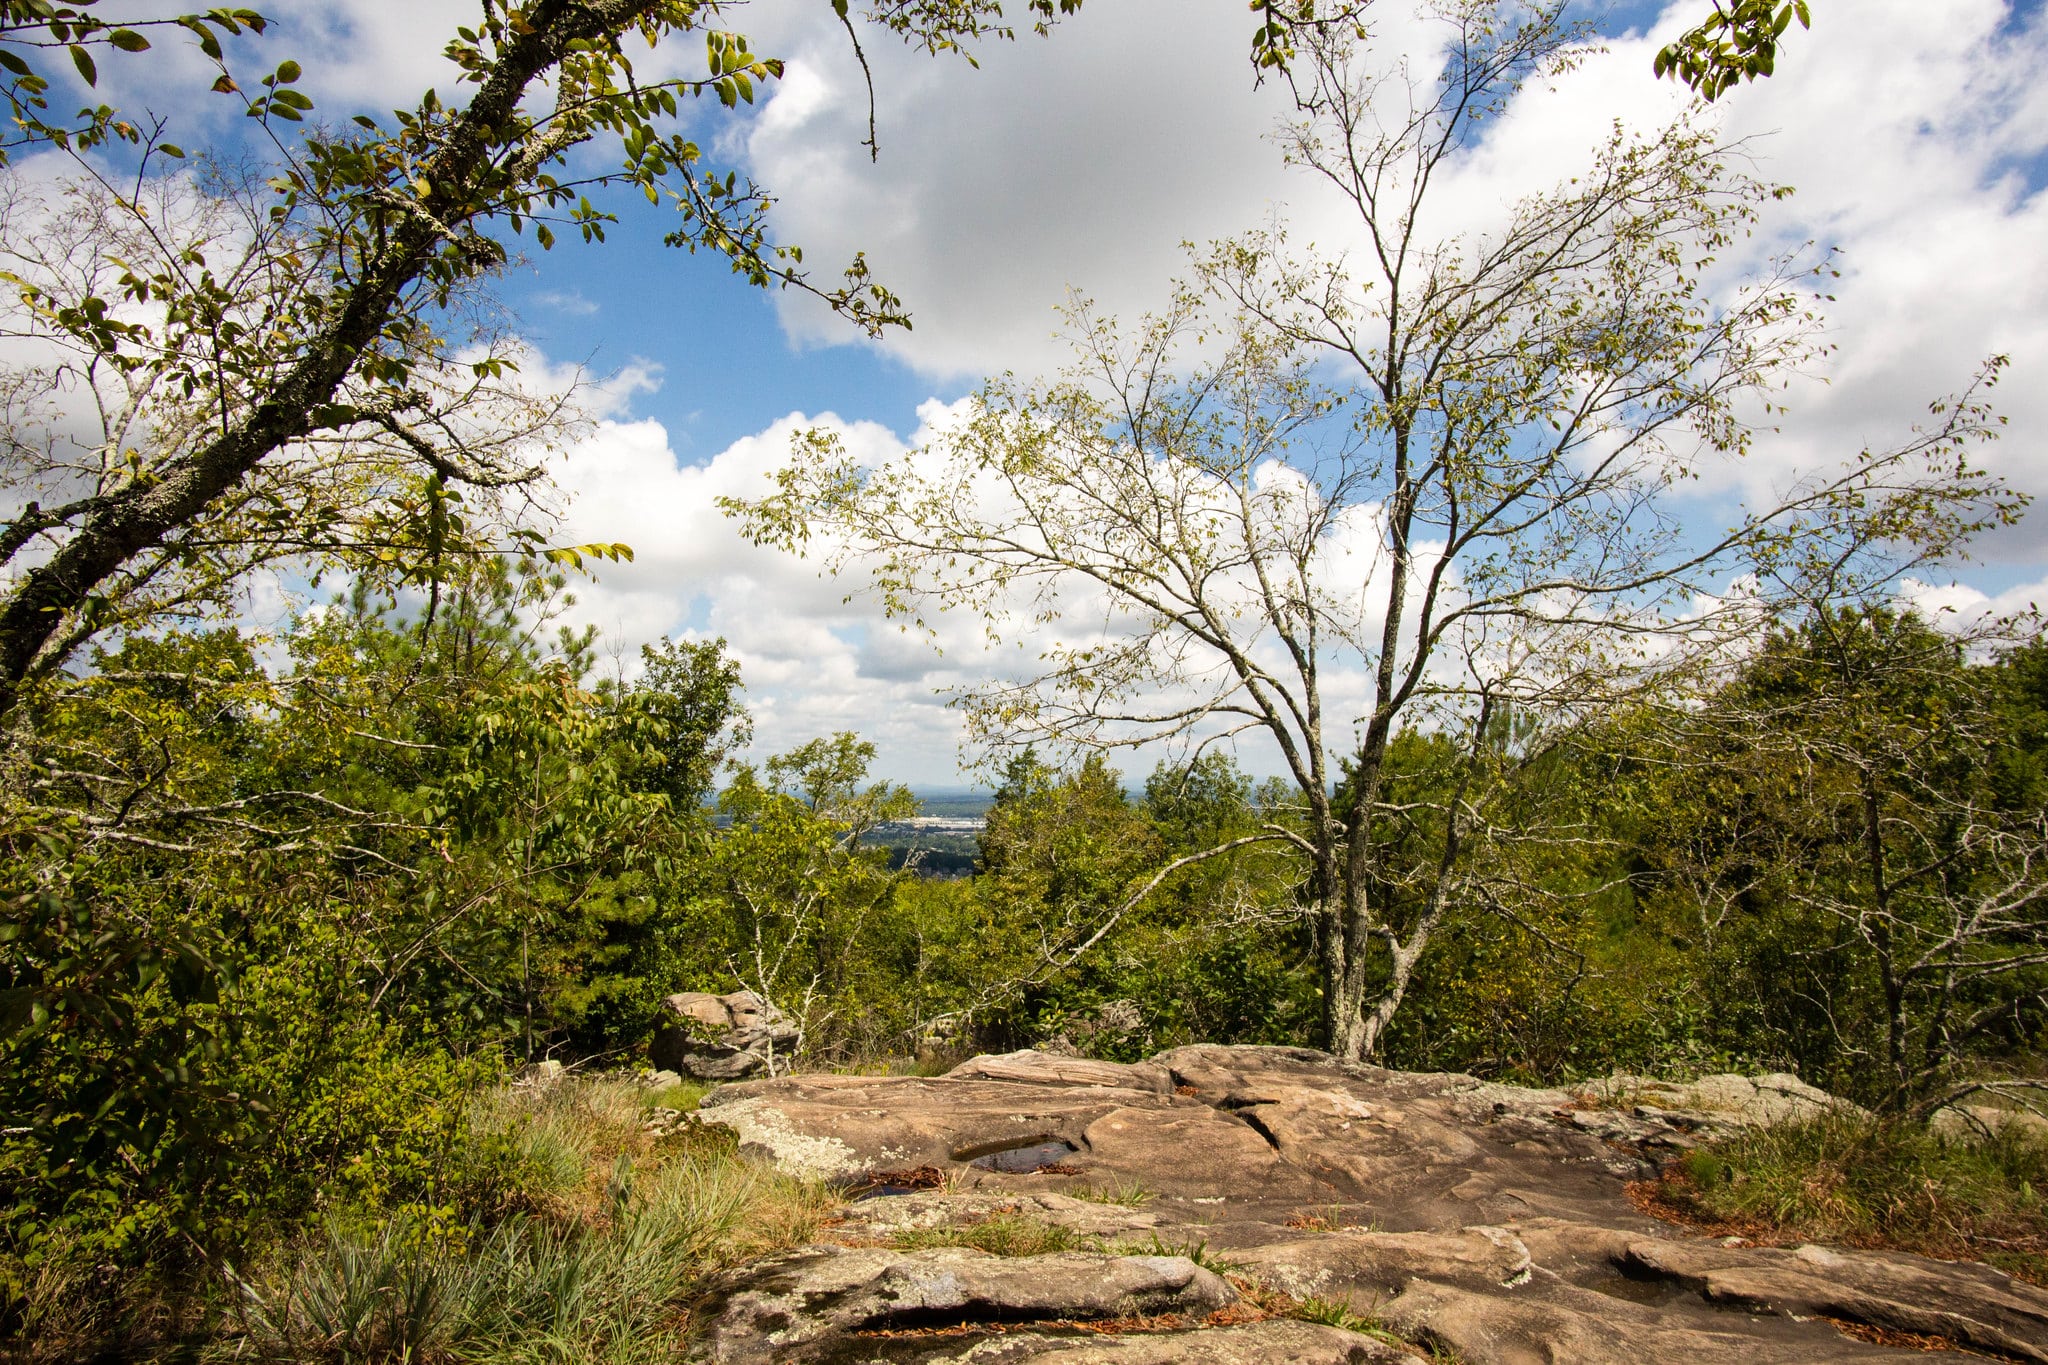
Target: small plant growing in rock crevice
<point>1000,1234</point>
<point>1195,1251</point>
<point>1128,1194</point>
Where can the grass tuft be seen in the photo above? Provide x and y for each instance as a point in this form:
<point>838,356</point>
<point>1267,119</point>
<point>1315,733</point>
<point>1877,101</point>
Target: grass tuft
<point>1861,1181</point>
<point>594,1272</point>
<point>1127,1193</point>
<point>1001,1234</point>
<point>1196,1251</point>
<point>684,1096</point>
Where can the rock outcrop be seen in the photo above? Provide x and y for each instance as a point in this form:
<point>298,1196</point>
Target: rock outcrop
<point>1489,1221</point>
<point>720,1037</point>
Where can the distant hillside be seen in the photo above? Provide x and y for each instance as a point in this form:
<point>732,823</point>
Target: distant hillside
<point>945,837</point>
<point>953,803</point>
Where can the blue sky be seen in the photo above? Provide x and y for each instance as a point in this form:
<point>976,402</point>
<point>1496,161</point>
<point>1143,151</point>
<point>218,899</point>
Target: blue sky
<point>731,367</point>
<point>1916,135</point>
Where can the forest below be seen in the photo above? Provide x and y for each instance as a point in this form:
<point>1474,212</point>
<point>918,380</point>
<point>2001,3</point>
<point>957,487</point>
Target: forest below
<point>342,892</point>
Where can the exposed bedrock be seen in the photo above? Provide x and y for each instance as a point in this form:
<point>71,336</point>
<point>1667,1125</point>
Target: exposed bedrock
<point>1489,1220</point>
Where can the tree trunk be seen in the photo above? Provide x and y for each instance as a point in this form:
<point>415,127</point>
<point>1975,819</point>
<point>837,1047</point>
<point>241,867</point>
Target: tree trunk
<point>142,516</point>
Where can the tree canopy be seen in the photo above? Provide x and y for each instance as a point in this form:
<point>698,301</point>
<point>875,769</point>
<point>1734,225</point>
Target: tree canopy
<point>1471,531</point>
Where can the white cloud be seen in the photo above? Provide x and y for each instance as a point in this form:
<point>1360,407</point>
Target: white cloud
<point>1959,606</point>
<point>813,663</point>
<point>567,301</point>
<point>1081,160</point>
<point>1087,159</point>
<point>1074,162</point>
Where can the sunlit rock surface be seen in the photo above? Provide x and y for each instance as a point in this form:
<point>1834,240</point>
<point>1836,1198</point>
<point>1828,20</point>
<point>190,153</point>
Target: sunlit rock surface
<point>1489,1220</point>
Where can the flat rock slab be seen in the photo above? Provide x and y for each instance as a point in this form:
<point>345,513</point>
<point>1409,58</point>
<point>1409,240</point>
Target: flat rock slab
<point>1484,1219</point>
<point>924,1210</point>
<point>1559,1324</point>
<point>840,1126</point>
<point>1362,1267</point>
<point>1275,1342</point>
<point>1971,1305</point>
<point>804,1306</point>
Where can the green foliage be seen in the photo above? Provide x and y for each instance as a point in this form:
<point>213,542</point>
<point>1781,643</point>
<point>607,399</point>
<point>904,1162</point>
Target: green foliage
<point>1847,1177</point>
<point>803,913</point>
<point>1737,42</point>
<point>549,1286</point>
<point>1214,951</point>
<point>1853,829</point>
<point>1001,1234</point>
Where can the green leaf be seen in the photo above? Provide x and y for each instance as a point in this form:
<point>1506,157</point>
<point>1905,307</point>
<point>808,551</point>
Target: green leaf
<point>128,40</point>
<point>82,59</point>
<point>287,72</point>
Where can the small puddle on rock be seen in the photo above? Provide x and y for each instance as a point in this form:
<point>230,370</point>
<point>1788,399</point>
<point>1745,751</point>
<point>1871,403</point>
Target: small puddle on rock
<point>1040,1155</point>
<point>1645,1291</point>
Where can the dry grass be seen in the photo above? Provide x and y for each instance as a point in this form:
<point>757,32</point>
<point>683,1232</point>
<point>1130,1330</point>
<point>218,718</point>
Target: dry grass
<point>617,1230</point>
<point>1864,1182</point>
<point>999,1234</point>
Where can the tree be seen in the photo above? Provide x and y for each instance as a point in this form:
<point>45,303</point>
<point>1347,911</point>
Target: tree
<point>1737,42</point>
<point>81,426</point>
<point>802,893</point>
<point>692,690</point>
<point>1477,526</point>
<point>1883,811</point>
<point>379,231</point>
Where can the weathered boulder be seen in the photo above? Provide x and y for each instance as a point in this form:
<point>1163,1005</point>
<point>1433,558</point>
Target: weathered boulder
<point>804,1305</point>
<point>1971,1305</point>
<point>923,1211</point>
<point>1971,1121</point>
<point>1487,1220</point>
<point>1277,1341</point>
<point>720,1037</point>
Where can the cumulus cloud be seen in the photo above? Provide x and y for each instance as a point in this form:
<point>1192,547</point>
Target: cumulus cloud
<point>1083,160</point>
<point>813,661</point>
<point>1958,606</point>
<point>1914,135</point>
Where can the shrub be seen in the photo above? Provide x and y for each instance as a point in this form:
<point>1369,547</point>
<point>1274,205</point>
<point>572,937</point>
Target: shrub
<point>1849,1177</point>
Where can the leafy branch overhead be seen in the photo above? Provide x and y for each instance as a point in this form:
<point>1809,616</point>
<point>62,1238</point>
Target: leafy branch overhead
<point>1737,42</point>
<point>29,28</point>
<point>328,330</point>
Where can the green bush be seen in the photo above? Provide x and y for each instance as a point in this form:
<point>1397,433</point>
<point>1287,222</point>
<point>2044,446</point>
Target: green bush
<point>1848,1177</point>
